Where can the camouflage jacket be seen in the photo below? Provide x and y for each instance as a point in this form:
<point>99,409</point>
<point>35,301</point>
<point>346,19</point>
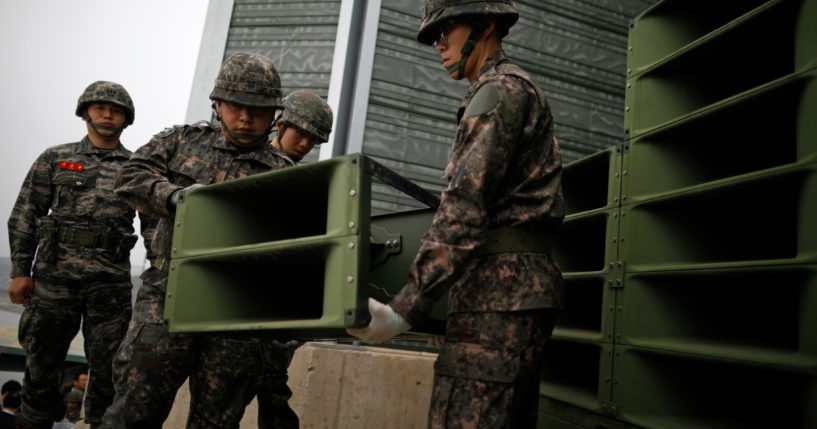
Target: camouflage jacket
<point>178,157</point>
<point>73,181</point>
<point>504,170</point>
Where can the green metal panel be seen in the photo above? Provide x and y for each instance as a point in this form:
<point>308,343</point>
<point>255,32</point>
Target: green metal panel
<point>716,312</point>
<point>586,317</point>
<point>587,243</point>
<point>593,182</point>
<point>586,246</point>
<point>763,218</point>
<point>578,373</point>
<point>669,26</point>
<point>407,228</point>
<point>705,148</point>
<point>656,389</point>
<point>586,249</point>
<point>557,414</point>
<point>578,369</point>
<point>697,75</point>
<point>293,250</point>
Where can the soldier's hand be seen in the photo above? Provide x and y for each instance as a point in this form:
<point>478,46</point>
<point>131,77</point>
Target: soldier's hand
<point>173,200</point>
<point>386,323</point>
<point>20,289</point>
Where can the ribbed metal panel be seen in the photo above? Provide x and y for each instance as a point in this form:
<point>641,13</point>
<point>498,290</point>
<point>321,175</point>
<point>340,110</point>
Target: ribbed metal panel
<point>575,50</point>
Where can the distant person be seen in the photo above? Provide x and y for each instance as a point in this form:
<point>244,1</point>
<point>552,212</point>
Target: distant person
<point>11,406</point>
<point>73,406</point>
<point>82,234</point>
<point>77,392</point>
<point>9,386</point>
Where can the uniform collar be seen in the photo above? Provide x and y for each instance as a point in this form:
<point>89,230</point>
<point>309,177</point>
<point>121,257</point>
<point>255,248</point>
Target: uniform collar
<point>264,154</point>
<point>281,152</point>
<point>86,147</point>
<point>489,67</point>
<point>487,71</point>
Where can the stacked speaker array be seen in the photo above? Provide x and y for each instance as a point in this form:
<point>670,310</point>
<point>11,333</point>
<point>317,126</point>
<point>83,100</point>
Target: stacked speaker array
<point>690,250</point>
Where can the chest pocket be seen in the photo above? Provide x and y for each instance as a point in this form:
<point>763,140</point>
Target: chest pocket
<point>74,192</point>
<point>186,171</point>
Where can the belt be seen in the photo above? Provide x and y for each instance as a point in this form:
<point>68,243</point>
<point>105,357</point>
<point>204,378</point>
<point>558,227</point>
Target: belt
<point>67,234</point>
<point>519,240</point>
<point>161,263</point>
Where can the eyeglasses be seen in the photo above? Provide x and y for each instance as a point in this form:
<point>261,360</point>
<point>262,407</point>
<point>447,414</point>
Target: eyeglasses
<point>443,38</point>
<point>445,28</point>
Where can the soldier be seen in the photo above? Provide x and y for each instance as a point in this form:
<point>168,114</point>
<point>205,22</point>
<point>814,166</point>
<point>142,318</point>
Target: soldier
<point>83,235</point>
<point>151,363</point>
<point>305,122</point>
<point>503,191</point>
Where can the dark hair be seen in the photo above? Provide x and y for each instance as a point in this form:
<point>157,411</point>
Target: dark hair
<point>11,386</point>
<point>12,400</point>
<point>76,376</point>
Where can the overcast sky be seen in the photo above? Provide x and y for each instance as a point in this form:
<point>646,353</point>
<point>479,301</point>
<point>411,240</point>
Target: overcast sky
<point>52,50</point>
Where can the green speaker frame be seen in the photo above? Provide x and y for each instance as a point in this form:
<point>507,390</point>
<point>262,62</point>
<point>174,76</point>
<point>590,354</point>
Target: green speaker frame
<point>740,56</point>
<point>294,251</point>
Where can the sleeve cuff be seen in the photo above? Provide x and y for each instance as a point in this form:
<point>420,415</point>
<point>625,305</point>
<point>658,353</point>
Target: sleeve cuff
<point>20,270</point>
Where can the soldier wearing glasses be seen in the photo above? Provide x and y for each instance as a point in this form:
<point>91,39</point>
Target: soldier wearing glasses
<point>488,245</point>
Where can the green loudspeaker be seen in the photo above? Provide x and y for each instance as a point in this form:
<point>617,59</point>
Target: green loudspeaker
<point>294,250</point>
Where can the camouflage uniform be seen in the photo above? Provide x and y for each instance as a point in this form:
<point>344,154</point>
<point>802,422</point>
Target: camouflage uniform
<point>308,112</point>
<point>504,172</point>
<point>151,363</point>
<point>82,234</point>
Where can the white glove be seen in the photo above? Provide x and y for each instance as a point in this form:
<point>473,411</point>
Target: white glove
<point>173,201</point>
<point>385,323</point>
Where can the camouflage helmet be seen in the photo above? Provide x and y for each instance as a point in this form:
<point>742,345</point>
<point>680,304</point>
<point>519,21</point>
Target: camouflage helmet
<point>248,79</point>
<point>307,111</point>
<point>436,12</point>
<point>106,92</point>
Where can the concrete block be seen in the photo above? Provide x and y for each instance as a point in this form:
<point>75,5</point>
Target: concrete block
<point>344,387</point>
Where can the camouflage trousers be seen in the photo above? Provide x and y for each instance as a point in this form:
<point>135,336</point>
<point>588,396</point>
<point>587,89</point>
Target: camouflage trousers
<point>487,372</point>
<point>273,392</point>
<point>50,322</point>
<point>151,364</point>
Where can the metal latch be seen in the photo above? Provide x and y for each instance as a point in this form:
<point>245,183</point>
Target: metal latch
<point>383,244</point>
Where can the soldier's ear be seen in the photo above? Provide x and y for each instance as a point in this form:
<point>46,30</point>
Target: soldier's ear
<point>490,28</point>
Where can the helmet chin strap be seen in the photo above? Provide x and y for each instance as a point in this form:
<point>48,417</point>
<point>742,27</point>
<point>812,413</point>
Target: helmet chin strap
<point>257,139</point>
<point>476,32</point>
<point>116,131</point>
<point>281,135</point>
